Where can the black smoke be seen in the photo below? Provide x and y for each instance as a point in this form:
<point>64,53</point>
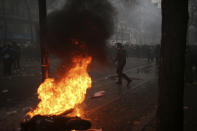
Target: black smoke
<point>82,27</point>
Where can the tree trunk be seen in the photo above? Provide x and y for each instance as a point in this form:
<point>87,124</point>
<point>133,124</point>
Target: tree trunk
<point>171,74</point>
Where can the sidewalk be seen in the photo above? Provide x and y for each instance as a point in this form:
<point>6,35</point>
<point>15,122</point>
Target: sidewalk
<point>190,111</point>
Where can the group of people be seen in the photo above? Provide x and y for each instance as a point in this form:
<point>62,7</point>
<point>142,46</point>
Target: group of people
<point>149,52</point>
<point>10,57</point>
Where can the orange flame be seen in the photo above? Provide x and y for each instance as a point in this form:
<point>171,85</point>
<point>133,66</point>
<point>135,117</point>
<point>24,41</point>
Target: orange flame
<point>56,98</point>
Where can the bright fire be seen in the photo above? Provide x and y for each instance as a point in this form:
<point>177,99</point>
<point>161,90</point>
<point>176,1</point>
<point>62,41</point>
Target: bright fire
<point>56,98</point>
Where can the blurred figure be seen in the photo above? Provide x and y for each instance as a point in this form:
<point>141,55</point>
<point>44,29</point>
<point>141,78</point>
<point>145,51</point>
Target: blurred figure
<point>121,61</point>
<point>193,52</point>
<point>8,57</point>
<point>188,66</point>
<point>149,54</point>
<point>138,51</point>
<point>1,55</point>
<point>157,53</point>
<point>17,55</point>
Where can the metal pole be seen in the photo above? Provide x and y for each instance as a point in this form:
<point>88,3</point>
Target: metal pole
<point>44,52</point>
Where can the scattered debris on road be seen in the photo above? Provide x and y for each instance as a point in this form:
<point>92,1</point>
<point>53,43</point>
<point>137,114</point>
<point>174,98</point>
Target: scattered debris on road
<point>11,112</point>
<point>185,107</point>
<point>5,91</point>
<point>99,94</point>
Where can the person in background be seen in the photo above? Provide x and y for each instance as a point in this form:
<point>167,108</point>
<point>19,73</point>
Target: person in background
<point>1,55</point>
<point>189,77</point>
<point>121,62</point>
<point>17,54</point>
<point>8,58</point>
<point>157,53</point>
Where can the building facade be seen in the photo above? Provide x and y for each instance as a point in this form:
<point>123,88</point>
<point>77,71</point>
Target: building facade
<point>18,20</point>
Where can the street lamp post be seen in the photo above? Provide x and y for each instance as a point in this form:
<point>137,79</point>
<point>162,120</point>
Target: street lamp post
<point>44,52</point>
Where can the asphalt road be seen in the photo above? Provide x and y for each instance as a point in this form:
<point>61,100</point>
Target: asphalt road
<point>119,109</point>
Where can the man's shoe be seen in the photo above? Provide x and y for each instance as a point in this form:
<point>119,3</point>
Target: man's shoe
<point>129,81</point>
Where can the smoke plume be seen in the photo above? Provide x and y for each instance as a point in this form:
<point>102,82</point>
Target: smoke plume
<point>81,27</point>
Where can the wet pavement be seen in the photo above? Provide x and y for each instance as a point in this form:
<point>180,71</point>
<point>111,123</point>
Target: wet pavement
<point>119,109</point>
<point>123,108</point>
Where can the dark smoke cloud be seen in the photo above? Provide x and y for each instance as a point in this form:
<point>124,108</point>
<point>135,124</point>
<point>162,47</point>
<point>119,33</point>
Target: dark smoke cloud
<point>80,28</point>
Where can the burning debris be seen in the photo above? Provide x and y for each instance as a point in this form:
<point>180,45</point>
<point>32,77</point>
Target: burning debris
<point>55,123</point>
<point>98,94</point>
<point>56,98</point>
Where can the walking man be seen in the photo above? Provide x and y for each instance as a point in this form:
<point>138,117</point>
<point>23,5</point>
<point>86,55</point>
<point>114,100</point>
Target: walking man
<point>121,61</point>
